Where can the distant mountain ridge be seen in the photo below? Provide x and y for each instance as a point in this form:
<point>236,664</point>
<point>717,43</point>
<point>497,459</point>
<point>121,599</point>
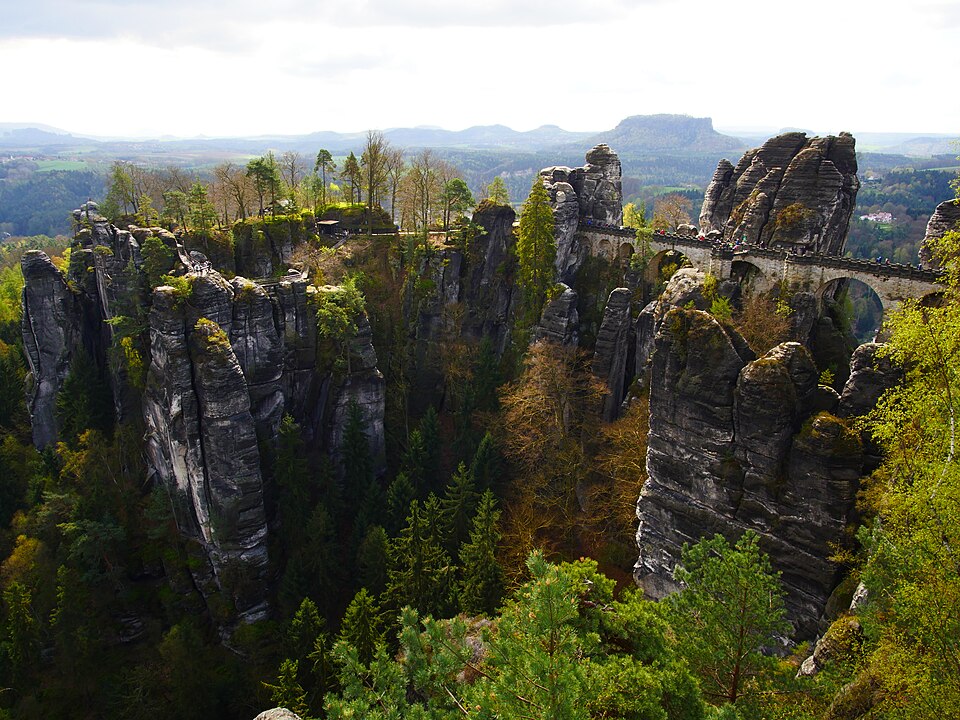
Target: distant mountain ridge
<point>667,133</point>
<point>639,133</point>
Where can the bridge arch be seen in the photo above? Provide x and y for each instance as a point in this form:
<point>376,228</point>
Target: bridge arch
<point>750,276</point>
<point>859,304</point>
<point>660,263</point>
<point>625,252</point>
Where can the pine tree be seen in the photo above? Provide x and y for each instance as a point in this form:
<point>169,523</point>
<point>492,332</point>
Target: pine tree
<point>361,626</point>
<point>536,247</point>
<point>497,191</point>
<point>482,588</point>
<point>458,507</point>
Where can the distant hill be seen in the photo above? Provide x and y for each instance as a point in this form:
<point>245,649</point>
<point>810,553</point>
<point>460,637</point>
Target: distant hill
<point>13,135</point>
<point>667,134</point>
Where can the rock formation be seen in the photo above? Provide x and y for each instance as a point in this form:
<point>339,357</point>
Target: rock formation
<point>612,349</point>
<point>589,193</point>
<point>226,360</point>
<point>737,443</point>
<point>944,219</point>
<point>792,192</point>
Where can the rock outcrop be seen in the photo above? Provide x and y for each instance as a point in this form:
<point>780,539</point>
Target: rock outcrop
<point>225,361</point>
<point>944,219</point>
<point>50,314</point>
<point>792,192</point>
<point>559,320</point>
<point>589,193</point>
<point>738,442</point>
<point>612,350</point>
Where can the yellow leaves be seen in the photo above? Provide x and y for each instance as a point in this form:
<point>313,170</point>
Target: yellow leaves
<point>23,562</point>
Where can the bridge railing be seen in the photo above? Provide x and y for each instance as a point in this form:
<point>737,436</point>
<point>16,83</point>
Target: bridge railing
<point>727,250</point>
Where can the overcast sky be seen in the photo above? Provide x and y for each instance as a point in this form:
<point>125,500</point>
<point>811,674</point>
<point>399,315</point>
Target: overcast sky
<point>246,67</point>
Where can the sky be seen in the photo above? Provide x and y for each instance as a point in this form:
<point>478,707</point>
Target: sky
<point>250,67</point>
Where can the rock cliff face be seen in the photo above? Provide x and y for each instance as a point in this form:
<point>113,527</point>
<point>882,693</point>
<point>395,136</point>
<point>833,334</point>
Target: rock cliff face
<point>226,361</point>
<point>792,192</point>
<point>50,314</point>
<point>738,442</point>
<point>592,192</point>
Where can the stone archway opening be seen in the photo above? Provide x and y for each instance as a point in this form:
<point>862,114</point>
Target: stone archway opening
<point>663,265</point>
<point>857,306</point>
<point>605,249</point>
<point>748,276</point>
<point>625,252</point>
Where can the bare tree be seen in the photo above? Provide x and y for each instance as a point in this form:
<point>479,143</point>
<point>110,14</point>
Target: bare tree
<point>396,168</point>
<point>234,183</point>
<point>292,168</point>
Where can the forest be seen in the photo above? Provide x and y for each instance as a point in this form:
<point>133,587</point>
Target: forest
<point>481,567</point>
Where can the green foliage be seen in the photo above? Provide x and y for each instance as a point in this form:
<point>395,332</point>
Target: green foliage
<point>496,192</point>
<point>421,573</point>
<point>482,587</point>
<point>913,562</point>
<point>362,627</point>
<point>730,595</point>
<point>85,400</point>
<point>536,246</point>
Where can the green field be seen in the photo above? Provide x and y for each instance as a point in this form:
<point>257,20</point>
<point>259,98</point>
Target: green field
<point>51,165</point>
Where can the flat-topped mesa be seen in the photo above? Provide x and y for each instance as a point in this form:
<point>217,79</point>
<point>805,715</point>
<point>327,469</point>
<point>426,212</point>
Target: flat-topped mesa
<point>589,193</point>
<point>791,192</point>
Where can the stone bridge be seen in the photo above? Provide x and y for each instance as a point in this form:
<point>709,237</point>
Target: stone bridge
<point>762,269</point>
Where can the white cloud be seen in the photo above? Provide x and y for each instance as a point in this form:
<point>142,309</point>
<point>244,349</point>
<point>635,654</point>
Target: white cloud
<point>291,66</point>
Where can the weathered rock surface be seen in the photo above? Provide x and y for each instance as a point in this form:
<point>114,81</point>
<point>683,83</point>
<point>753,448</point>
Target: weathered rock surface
<point>50,314</point>
<point>277,714</point>
<point>201,438</point>
<point>944,219</point>
<point>612,350</point>
<point>791,192</point>
<point>225,359</point>
<point>738,443</point>
<point>589,193</point>
<point>871,374</point>
<point>559,320</point>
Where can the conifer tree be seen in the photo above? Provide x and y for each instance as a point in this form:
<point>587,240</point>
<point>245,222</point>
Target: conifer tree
<point>288,693</point>
<point>482,588</point>
<point>430,433</point>
<point>420,570</point>
<point>485,467</point>
<point>458,507</point>
<point>399,496</point>
<point>536,246</point>
<point>372,560</point>
<point>292,480</point>
<point>357,462</point>
<point>361,626</point>
<point>497,191</point>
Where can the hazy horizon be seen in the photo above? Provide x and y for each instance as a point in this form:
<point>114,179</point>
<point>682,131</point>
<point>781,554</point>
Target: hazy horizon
<point>188,68</point>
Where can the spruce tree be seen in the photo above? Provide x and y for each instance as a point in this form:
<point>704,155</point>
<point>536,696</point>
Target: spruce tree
<point>536,247</point>
<point>355,453</point>
<point>291,476</point>
<point>485,467</point>
<point>420,569</point>
<point>399,496</point>
<point>458,507</point>
<point>372,560</point>
<point>361,626</point>
<point>482,588</point>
